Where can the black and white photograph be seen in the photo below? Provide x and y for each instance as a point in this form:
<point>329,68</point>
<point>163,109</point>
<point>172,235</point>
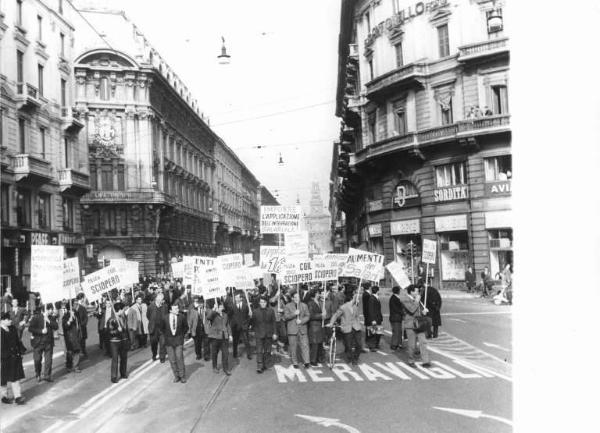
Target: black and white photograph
<point>297,216</point>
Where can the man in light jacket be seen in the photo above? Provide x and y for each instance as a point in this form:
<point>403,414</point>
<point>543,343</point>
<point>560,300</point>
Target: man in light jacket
<point>411,300</point>
<point>296,315</point>
<point>350,326</point>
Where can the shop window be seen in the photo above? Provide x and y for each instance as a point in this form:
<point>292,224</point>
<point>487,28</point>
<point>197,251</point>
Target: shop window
<point>454,252</point>
<point>68,219</point>
<point>501,254</point>
<point>500,99</point>
<point>450,174</point>
<point>5,205</point>
<point>23,208</point>
<point>399,108</point>
<point>44,211</point>
<point>498,168</point>
<point>443,41</point>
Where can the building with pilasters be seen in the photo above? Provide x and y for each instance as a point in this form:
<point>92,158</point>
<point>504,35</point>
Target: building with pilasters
<point>425,145</point>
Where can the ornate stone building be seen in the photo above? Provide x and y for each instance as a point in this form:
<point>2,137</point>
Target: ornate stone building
<point>151,152</point>
<point>318,224</point>
<point>425,145</point>
<point>43,157</point>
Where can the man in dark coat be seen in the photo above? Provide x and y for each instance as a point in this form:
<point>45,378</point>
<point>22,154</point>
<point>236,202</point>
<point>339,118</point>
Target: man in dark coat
<point>263,322</point>
<point>374,319</point>
<point>315,328</point>
<point>396,316</point>
<point>11,367</point>
<point>433,303</point>
<point>42,327</point>
<point>156,311</point>
<point>72,336</point>
<point>239,321</point>
<point>171,295</point>
<point>196,317</point>
<point>470,279</point>
<point>18,316</point>
<point>174,327</point>
<point>82,316</point>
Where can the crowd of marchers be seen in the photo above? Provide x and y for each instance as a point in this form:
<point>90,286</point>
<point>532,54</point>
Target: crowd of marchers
<point>295,322</point>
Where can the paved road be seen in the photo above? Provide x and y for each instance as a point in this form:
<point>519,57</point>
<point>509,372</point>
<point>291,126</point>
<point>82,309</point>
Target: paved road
<point>380,394</point>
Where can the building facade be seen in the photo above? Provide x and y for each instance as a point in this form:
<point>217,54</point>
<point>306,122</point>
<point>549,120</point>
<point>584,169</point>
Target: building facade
<point>318,224</point>
<point>44,158</point>
<point>151,152</point>
<point>425,146</point>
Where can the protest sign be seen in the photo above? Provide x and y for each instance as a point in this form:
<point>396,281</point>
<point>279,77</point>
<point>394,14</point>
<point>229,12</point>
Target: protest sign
<point>248,260</point>
<point>399,274</point>
<point>211,286</point>
<point>297,272</point>
<point>47,272</point>
<point>242,279</point>
<point>428,254</point>
<point>325,270</point>
<point>71,280</point>
<point>195,272</point>
<point>338,258</point>
<point>363,265</point>
<point>128,271</point>
<point>272,259</point>
<point>296,245</point>
<point>177,269</point>
<point>280,219</point>
<point>226,264</point>
<point>99,282</point>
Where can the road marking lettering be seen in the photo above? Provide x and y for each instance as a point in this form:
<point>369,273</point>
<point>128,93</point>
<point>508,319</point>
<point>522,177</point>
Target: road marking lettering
<point>379,371</point>
<point>475,414</point>
<point>327,422</point>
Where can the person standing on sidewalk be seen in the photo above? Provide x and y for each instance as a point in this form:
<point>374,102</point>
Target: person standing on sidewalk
<point>396,316</point>
<point>174,327</point>
<point>42,327</point>
<point>263,322</point>
<point>413,308</point>
<point>72,336</point>
<point>11,364</point>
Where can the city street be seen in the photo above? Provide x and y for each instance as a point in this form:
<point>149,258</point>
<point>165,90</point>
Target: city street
<point>468,389</point>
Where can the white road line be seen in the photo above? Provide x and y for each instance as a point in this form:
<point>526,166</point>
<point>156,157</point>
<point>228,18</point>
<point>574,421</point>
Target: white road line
<point>496,346</point>
<point>477,313</point>
<point>488,354</point>
<point>463,361</point>
<point>382,353</point>
<point>457,320</point>
<point>55,355</point>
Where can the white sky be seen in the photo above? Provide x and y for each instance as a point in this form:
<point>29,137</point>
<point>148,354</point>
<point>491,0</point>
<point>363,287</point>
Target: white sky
<point>283,57</point>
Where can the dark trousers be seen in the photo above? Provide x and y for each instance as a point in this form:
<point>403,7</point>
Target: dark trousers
<point>118,365</point>
<point>396,334</point>
<point>352,345</point>
<point>201,342</point>
<point>176,360</point>
<point>83,348</point>
<point>222,345</point>
<point>435,332</point>
<point>282,332</point>
<point>317,353</point>
<point>104,338</point>
<point>142,340</point>
<point>47,351</point>
<point>263,352</point>
<point>157,344</point>
<point>237,332</point>
<point>373,341</point>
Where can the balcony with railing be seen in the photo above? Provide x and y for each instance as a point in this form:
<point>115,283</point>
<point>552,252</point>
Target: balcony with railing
<point>464,128</point>
<point>70,122</point>
<point>73,181</point>
<point>385,146</point>
<point>31,168</point>
<point>482,49</point>
<point>27,97</point>
<point>405,76</point>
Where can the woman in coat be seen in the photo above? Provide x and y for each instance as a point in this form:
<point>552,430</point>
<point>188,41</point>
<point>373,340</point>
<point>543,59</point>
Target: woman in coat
<point>11,365</point>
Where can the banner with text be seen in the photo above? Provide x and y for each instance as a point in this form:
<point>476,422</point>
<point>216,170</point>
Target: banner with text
<point>339,258</point>
<point>272,259</point>
<point>99,282</point>
<point>128,271</point>
<point>297,272</point>
<point>71,280</point>
<point>226,265</point>
<point>296,245</point>
<point>325,269</point>
<point>428,254</point>
<point>399,274</point>
<point>47,272</point>
<point>177,269</point>
<point>280,219</point>
<point>211,286</point>
<point>363,265</point>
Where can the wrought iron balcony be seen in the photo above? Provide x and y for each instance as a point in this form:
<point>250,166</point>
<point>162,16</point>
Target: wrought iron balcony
<point>73,181</point>
<point>482,49</point>
<point>31,168</point>
<point>408,75</point>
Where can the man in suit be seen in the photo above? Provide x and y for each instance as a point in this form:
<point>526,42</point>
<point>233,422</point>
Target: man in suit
<point>296,315</point>
<point>396,315</point>
<point>156,311</point>
<point>174,328</point>
<point>350,326</point>
<point>42,327</point>
<point>195,317</point>
<point>263,321</point>
<point>219,335</point>
<point>433,302</point>
<point>171,295</point>
<point>240,319</point>
<point>374,319</point>
<point>18,317</point>
<point>82,316</point>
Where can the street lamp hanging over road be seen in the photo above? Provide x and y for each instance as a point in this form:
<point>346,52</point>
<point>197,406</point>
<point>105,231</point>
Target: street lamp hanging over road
<point>224,58</point>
